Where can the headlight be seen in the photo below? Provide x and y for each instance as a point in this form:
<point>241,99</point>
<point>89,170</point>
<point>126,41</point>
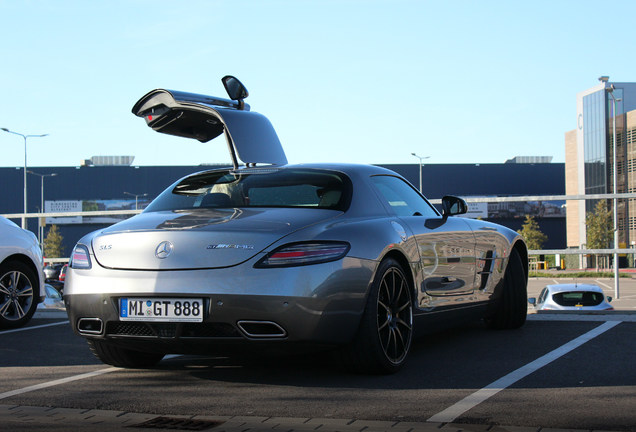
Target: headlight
<point>80,258</point>
<point>297,254</point>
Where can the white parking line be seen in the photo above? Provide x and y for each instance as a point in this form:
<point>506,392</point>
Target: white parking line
<point>469,402</point>
<point>33,328</point>
<point>56,382</point>
<point>604,284</point>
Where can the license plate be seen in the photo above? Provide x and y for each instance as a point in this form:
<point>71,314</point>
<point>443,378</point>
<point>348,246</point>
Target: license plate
<point>161,309</point>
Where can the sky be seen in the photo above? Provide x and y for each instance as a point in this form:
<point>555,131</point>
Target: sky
<point>356,81</point>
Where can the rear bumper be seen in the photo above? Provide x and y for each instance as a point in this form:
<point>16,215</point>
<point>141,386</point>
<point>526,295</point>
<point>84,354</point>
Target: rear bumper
<point>320,304</point>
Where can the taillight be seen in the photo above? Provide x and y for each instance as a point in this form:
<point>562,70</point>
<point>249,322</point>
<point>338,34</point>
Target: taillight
<point>62,275</point>
<point>80,259</point>
<point>298,254</point>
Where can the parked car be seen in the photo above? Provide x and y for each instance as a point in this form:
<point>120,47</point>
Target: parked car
<point>21,275</point>
<point>53,275</point>
<point>53,299</point>
<point>572,297</point>
<point>62,276</point>
<point>276,255</point>
<point>52,271</point>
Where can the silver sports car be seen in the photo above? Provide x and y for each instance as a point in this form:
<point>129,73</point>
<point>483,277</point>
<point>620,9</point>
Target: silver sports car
<point>272,255</point>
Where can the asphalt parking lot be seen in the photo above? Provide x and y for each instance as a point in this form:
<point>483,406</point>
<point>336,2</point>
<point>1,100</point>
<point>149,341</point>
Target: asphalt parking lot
<point>561,371</point>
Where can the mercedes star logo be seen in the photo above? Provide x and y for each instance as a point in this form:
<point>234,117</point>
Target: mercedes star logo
<point>164,250</point>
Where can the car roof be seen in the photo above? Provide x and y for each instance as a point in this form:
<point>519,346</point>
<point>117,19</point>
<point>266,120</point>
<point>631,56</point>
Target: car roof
<point>574,287</point>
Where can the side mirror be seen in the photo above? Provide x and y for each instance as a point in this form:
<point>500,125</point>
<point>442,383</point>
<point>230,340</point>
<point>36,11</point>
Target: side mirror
<point>532,301</point>
<point>609,299</point>
<point>452,205</point>
<point>235,89</point>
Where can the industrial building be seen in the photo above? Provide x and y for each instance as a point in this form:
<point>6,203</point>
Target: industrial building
<point>118,185</point>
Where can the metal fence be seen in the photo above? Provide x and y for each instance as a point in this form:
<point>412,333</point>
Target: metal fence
<point>527,198</point>
<point>433,201</point>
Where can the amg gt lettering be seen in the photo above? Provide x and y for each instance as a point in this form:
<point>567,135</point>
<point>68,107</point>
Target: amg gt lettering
<point>230,246</point>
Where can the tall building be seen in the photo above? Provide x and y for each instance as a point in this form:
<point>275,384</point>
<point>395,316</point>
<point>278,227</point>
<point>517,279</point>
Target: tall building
<point>589,166</point>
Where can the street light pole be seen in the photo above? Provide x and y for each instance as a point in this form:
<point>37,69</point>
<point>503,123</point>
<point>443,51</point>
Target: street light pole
<point>40,226</point>
<point>420,158</point>
<point>615,179</point>
<point>25,168</point>
<point>136,197</point>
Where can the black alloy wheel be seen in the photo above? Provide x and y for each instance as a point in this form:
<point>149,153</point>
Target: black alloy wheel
<point>395,315</point>
<point>384,337</point>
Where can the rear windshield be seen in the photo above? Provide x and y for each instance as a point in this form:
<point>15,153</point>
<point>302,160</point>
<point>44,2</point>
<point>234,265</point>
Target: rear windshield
<point>302,188</point>
<point>578,298</point>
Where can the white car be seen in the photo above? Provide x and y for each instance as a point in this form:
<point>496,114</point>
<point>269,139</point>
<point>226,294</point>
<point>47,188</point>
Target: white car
<point>21,275</point>
<point>572,297</point>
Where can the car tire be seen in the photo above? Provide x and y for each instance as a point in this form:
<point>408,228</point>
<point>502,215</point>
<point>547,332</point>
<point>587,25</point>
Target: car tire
<point>384,337</point>
<point>19,294</point>
<point>114,355</point>
<point>512,307</point>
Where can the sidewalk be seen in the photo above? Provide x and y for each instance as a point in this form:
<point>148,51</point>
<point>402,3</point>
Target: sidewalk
<point>26,418</point>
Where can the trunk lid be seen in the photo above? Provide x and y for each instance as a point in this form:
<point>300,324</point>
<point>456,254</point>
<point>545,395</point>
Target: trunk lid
<point>198,239</point>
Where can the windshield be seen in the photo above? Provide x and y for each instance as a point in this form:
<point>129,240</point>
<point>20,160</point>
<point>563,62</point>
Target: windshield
<point>578,298</point>
<point>303,188</point>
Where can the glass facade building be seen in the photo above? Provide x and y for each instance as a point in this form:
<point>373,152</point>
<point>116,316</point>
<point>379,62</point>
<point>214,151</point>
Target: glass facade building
<point>595,143</point>
<point>601,110</point>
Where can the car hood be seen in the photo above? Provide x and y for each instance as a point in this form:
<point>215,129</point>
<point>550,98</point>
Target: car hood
<point>197,239</point>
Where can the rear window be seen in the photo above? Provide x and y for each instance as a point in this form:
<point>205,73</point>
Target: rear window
<point>578,298</point>
<point>299,188</point>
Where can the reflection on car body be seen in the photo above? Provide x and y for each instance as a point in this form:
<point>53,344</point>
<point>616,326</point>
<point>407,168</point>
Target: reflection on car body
<point>280,255</point>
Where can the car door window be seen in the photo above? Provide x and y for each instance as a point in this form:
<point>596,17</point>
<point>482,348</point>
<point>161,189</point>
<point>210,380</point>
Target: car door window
<point>402,198</point>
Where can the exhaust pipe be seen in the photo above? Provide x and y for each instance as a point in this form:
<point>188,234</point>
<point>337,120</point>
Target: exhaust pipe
<point>261,329</point>
<point>91,326</point>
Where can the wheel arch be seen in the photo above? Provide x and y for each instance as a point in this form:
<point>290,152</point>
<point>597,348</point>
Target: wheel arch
<point>24,259</point>
<point>403,261</point>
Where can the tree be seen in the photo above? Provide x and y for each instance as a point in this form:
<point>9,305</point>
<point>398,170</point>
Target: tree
<point>532,234</point>
<point>600,229</point>
<point>53,243</point>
